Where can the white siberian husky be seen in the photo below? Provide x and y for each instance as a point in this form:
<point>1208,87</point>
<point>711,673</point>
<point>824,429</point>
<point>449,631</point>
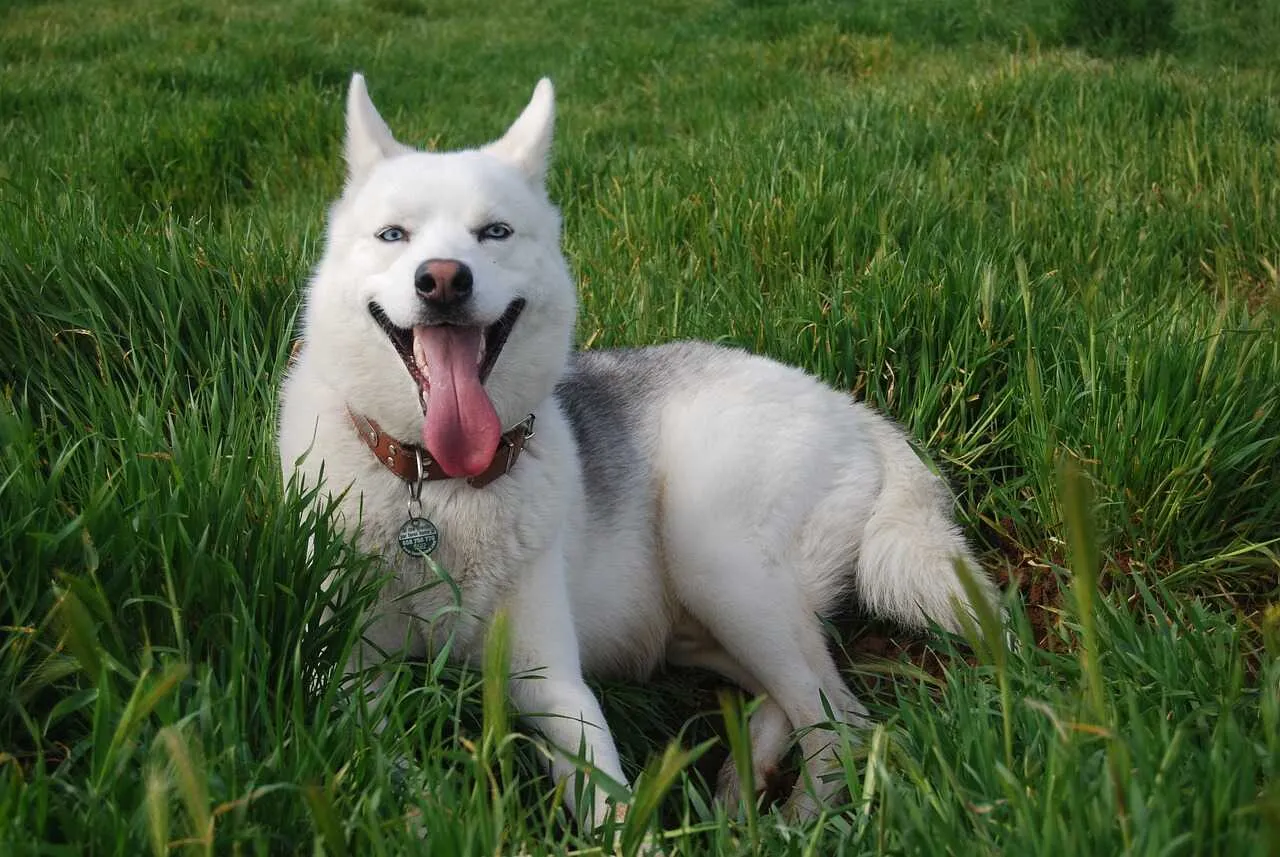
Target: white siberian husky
<point>685,503</point>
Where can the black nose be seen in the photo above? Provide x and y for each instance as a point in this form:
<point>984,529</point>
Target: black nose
<point>443,282</point>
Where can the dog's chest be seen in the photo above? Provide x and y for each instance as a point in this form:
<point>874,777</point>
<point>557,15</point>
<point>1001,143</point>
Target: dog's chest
<point>484,541</point>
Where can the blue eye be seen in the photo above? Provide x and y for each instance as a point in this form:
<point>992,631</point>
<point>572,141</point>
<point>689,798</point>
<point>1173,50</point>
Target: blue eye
<point>497,231</point>
<point>391,233</point>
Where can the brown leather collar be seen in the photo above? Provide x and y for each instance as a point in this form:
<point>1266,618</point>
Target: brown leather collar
<point>404,459</point>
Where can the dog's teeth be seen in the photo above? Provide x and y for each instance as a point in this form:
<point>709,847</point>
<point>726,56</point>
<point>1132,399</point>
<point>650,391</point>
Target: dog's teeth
<point>419,356</point>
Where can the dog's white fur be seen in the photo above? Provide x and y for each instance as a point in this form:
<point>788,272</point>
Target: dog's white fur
<point>702,507</point>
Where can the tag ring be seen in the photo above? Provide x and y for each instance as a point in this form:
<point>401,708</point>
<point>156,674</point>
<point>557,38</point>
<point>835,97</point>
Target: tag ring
<point>415,487</point>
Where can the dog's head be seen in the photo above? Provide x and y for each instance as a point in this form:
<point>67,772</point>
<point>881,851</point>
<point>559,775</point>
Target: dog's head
<point>443,307</point>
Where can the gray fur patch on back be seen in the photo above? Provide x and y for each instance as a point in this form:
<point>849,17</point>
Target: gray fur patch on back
<point>604,396</point>
<point>612,398</point>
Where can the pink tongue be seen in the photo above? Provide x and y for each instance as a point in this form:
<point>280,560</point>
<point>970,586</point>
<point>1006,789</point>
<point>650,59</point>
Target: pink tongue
<point>462,429</point>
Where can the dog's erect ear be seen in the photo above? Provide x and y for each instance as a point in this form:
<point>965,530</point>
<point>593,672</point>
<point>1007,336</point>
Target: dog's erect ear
<point>369,139</point>
<point>527,143</point>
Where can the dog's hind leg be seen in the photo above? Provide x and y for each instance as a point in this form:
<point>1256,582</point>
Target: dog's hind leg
<point>756,611</point>
<point>771,737</point>
<point>768,728</point>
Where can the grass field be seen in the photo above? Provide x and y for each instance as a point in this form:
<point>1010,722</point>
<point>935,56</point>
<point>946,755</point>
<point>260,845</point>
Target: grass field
<point>1043,234</point>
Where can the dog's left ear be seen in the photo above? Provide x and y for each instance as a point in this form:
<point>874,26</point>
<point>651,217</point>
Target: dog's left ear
<point>527,143</point>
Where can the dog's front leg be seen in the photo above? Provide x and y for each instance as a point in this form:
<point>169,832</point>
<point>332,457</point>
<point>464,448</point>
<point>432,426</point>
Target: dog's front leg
<point>547,687</point>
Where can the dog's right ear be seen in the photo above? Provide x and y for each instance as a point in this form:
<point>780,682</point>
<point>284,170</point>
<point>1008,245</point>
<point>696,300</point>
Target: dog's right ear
<point>369,139</point>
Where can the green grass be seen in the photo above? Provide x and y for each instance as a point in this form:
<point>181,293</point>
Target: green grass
<point>1043,235</point>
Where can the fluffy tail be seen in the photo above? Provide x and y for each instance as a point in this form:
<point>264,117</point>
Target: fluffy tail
<point>906,563</point>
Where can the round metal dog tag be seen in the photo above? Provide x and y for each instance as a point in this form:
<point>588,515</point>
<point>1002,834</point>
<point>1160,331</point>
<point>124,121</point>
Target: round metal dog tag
<point>418,537</point>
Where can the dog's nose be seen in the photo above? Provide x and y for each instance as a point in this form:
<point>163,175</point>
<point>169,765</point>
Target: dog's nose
<point>443,282</point>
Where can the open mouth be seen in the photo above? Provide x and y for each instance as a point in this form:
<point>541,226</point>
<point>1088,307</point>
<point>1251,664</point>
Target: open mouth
<point>492,340</point>
<point>449,363</point>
